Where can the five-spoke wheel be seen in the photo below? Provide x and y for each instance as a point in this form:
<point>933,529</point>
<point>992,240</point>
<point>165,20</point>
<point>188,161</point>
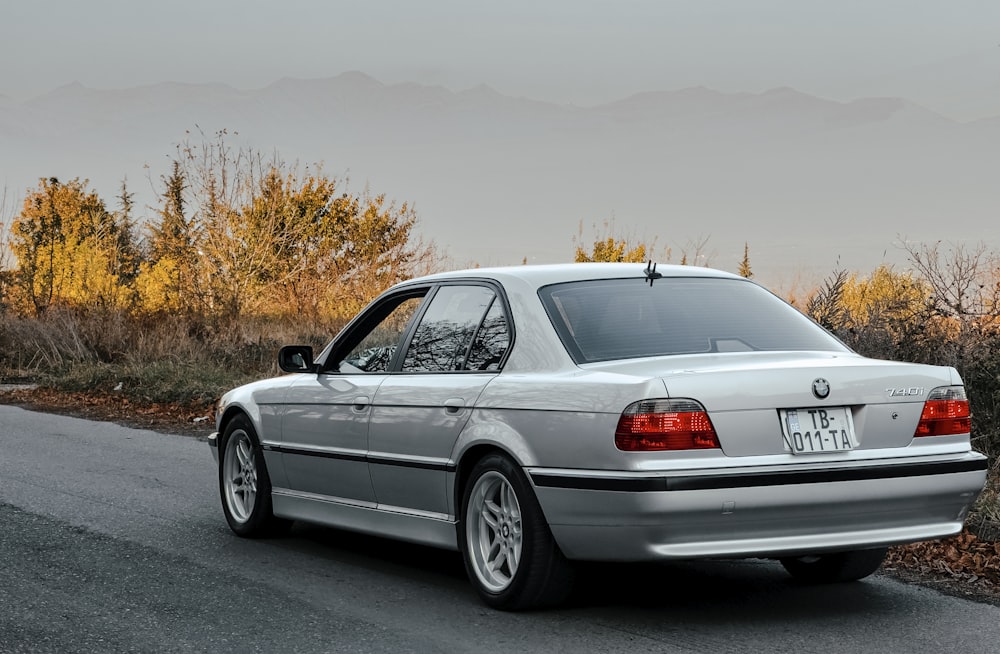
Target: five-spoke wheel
<point>494,531</point>
<point>508,548</point>
<point>244,483</point>
<point>239,475</point>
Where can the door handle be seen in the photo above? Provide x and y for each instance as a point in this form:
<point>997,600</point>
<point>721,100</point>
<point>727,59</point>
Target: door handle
<point>454,405</point>
<point>360,403</point>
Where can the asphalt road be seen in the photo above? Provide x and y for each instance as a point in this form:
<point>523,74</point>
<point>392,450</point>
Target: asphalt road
<point>113,540</point>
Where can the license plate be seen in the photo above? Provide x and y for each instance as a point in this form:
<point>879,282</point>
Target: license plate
<point>815,431</point>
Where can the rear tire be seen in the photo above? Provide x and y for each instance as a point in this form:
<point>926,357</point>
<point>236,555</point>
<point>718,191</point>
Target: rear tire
<point>508,548</point>
<point>834,568</point>
<point>244,484</point>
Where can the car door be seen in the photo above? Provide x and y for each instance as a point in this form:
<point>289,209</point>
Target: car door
<point>325,422</point>
<point>456,348</point>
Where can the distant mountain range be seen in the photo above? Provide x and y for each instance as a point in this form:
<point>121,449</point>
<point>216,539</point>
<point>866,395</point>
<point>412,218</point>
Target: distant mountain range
<point>495,179</point>
<point>964,86</point>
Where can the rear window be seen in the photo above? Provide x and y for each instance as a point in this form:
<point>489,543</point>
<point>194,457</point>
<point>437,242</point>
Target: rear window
<point>605,320</point>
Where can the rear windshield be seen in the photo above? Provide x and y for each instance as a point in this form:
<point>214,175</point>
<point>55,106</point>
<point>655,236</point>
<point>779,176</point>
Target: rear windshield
<point>612,319</point>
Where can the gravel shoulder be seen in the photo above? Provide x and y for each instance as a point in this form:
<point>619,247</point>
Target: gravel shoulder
<point>190,419</point>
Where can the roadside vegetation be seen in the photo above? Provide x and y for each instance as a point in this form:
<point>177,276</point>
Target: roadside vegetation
<point>244,252</point>
<point>945,311</point>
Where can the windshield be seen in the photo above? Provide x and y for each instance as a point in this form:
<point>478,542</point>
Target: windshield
<point>605,320</point>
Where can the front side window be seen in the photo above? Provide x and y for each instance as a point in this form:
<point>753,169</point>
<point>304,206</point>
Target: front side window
<point>605,320</point>
<point>452,333</point>
<point>376,346</point>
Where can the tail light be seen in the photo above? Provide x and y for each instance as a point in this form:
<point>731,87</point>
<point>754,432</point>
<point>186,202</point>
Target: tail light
<point>656,425</point>
<point>946,412</point>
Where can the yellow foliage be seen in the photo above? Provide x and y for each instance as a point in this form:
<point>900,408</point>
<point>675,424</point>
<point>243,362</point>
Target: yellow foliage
<point>265,240</point>
<point>609,246</point>
<point>70,249</point>
<point>884,294</point>
<point>82,277</point>
<point>161,287</point>
<point>612,250</point>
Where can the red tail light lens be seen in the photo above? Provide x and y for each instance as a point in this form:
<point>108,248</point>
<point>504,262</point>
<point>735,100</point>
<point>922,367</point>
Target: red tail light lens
<point>657,425</point>
<point>946,412</point>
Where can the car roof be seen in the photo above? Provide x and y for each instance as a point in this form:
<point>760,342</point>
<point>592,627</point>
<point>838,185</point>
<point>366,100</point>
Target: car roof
<point>543,275</point>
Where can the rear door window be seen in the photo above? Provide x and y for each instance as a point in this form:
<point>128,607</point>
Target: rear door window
<point>463,328</point>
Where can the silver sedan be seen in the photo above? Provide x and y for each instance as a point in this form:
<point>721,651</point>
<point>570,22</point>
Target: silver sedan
<point>535,415</point>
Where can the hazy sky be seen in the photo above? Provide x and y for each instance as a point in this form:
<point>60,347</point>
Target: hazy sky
<point>944,54</point>
<point>580,51</point>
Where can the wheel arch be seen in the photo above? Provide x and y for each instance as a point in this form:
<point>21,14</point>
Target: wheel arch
<point>479,439</point>
<point>463,470</point>
<point>231,412</point>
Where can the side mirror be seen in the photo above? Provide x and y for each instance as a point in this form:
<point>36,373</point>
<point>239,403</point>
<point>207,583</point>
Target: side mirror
<point>296,358</point>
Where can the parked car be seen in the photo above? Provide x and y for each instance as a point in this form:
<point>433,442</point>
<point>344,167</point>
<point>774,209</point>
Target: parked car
<point>532,416</point>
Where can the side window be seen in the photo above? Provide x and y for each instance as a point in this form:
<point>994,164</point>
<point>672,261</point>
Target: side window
<point>444,337</point>
<point>492,340</point>
<point>376,347</point>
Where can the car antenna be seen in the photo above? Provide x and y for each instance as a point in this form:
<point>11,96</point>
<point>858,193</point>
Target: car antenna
<point>651,273</point>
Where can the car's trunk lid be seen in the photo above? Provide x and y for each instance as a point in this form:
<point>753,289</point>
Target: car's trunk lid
<point>745,394</point>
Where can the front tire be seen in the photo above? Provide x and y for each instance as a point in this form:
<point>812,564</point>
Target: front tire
<point>834,568</point>
<point>244,484</point>
<point>508,548</point>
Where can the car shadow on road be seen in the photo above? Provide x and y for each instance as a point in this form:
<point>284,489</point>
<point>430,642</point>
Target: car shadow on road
<point>751,589</point>
<point>376,553</point>
<point>730,585</point>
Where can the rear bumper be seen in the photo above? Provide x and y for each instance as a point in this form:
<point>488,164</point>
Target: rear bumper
<point>596,515</point>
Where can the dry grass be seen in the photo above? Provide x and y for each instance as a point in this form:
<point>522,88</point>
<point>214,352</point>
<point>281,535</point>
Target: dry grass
<point>161,358</point>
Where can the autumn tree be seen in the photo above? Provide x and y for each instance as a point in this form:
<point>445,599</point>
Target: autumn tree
<point>119,246</point>
<point>371,247</point>
<point>963,279</point>
<point>36,239</point>
<point>266,238</point>
<point>170,279</point>
<point>70,249</point>
<point>610,249</point>
<point>887,313</point>
<point>884,295</point>
<point>744,270</point>
<point>875,308</point>
<point>295,215</point>
<point>224,233</point>
<point>610,246</point>
<point>825,305</point>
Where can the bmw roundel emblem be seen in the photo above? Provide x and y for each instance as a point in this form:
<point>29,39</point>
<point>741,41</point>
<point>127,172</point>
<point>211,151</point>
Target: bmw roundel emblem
<point>821,388</point>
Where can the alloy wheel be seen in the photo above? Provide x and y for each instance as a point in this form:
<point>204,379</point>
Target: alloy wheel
<point>494,531</point>
<point>240,475</point>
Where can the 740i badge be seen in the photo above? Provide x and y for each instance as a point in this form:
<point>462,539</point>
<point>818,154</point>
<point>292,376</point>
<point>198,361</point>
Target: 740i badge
<point>903,392</point>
